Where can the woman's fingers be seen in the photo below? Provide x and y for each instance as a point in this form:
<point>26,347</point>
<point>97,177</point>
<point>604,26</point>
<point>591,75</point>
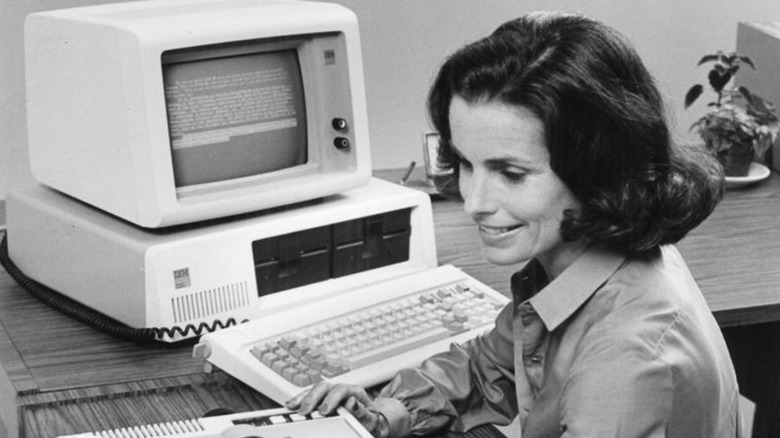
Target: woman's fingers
<point>306,402</point>
<point>339,394</point>
<point>326,397</point>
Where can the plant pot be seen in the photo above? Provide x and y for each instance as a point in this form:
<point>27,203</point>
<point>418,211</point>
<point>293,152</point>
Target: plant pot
<point>736,159</point>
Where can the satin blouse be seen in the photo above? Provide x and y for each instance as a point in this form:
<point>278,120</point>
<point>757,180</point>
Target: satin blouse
<point>612,347</point>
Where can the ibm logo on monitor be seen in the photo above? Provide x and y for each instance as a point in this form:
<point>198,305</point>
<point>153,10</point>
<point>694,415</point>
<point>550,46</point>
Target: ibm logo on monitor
<point>181,278</point>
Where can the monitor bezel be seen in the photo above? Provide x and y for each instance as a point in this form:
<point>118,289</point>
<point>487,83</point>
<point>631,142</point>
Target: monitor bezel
<point>306,65</point>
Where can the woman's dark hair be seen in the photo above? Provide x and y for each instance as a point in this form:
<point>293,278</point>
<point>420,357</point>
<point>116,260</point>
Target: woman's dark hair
<point>604,125</point>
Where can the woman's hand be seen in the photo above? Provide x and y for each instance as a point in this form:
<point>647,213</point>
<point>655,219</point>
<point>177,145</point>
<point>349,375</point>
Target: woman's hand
<point>326,397</point>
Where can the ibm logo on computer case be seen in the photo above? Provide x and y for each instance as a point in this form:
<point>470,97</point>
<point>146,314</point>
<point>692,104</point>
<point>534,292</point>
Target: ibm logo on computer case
<point>329,56</point>
<point>181,278</point>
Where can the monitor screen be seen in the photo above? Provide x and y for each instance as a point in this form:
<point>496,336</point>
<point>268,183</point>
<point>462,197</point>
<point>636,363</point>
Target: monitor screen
<point>235,115</point>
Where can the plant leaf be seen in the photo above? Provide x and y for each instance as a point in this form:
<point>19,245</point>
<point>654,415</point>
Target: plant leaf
<point>747,61</point>
<point>718,80</point>
<point>763,110</point>
<point>708,58</point>
<point>693,94</point>
<point>746,94</point>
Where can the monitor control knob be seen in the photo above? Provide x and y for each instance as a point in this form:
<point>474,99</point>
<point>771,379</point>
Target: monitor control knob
<point>339,124</point>
<point>341,143</point>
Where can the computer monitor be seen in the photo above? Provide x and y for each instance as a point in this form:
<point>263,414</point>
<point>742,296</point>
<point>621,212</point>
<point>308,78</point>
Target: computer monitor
<point>170,112</point>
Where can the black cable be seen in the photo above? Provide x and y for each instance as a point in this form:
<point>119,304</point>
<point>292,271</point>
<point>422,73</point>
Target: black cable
<point>98,320</point>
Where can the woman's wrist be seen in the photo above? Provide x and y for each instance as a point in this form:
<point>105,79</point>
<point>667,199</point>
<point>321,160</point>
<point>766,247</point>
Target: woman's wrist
<point>382,427</point>
<point>393,420</point>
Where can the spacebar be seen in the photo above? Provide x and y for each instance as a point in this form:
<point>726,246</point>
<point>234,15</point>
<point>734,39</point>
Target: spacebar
<point>399,347</point>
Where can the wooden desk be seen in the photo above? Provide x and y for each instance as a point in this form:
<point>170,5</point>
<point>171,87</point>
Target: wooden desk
<point>60,377</point>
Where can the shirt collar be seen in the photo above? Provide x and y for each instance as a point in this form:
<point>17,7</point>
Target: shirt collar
<point>557,300</point>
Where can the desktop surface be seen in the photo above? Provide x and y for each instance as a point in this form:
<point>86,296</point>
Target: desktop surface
<point>60,377</point>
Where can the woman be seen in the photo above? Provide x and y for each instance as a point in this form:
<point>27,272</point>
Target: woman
<point>557,139</point>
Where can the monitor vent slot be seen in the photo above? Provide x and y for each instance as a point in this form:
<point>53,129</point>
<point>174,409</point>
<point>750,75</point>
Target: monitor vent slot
<point>209,302</point>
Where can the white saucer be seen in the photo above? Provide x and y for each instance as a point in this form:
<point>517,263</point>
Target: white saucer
<point>756,173</point>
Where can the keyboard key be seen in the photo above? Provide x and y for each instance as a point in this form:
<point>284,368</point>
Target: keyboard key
<point>288,373</point>
<point>301,380</point>
<point>297,351</point>
<point>331,372</point>
<point>279,366</point>
<point>315,377</point>
<point>277,419</point>
<point>269,358</point>
<point>287,342</point>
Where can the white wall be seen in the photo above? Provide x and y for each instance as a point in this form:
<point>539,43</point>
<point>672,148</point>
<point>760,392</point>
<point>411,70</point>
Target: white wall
<point>404,41</point>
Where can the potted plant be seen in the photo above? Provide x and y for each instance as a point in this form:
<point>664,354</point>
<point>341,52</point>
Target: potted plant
<point>739,126</point>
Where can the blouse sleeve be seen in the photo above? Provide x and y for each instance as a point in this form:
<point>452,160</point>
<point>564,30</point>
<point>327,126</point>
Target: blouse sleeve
<point>469,385</point>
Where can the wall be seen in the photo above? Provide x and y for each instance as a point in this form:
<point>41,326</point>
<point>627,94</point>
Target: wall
<point>404,41</point>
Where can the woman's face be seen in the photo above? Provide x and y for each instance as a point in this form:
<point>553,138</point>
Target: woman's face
<point>508,186</point>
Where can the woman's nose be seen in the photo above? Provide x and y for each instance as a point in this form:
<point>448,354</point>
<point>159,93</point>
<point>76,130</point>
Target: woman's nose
<point>477,196</point>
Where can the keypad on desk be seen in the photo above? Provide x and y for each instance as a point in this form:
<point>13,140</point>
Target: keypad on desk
<point>278,419</point>
<point>336,346</point>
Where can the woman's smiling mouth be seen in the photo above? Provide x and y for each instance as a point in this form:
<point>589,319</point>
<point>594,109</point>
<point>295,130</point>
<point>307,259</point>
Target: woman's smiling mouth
<point>497,231</point>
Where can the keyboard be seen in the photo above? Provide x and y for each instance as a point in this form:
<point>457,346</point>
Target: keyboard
<point>272,423</point>
<point>362,336</point>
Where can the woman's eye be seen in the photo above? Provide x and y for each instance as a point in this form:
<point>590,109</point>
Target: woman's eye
<point>513,176</point>
<point>464,165</point>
